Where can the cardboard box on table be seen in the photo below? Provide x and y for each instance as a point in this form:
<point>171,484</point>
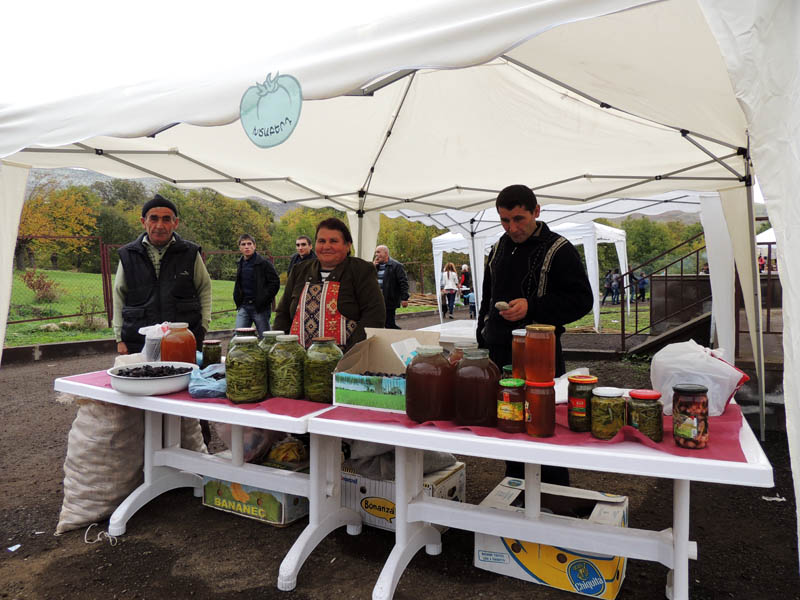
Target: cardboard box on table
<point>571,570</point>
<point>374,499</point>
<point>376,355</point>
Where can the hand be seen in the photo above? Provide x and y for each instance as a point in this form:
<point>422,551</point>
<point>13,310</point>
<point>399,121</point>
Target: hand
<point>122,348</point>
<point>518,308</point>
<point>404,303</point>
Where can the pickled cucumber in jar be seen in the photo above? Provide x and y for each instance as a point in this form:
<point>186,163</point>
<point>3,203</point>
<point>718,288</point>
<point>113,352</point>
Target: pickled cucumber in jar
<point>285,361</point>
<point>245,371</point>
<point>321,359</point>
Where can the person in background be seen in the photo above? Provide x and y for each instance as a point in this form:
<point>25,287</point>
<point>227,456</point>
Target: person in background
<point>465,283</point>
<point>470,299</point>
<point>333,294</point>
<point>393,282</point>
<point>257,283</point>
<point>616,279</point>
<point>541,277</point>
<point>606,287</point>
<point>304,252</point>
<point>762,263</point>
<point>450,287</point>
<point>641,285</point>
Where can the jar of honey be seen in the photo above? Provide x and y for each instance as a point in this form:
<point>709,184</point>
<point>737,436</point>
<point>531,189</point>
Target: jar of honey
<point>540,353</point>
<point>475,389</point>
<point>429,386</point>
<point>458,351</point>
<point>511,406</point>
<point>179,344</point>
<point>518,354</point>
<point>690,415</point>
<point>540,408</point>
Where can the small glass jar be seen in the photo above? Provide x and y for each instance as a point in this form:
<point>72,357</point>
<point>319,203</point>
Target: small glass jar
<point>245,372</point>
<point>579,409</point>
<point>511,406</point>
<point>518,354</point>
<point>429,386</point>
<point>212,352</point>
<point>320,361</point>
<point>540,408</point>
<point>540,353</point>
<point>458,351</point>
<point>645,413</point>
<point>241,332</point>
<point>608,412</point>
<point>285,361</point>
<point>179,344</point>
<point>690,415</point>
<point>475,389</point>
<point>508,372</point>
<point>268,339</point>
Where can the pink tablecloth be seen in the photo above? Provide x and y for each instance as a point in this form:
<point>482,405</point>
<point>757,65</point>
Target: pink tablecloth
<point>723,430</point>
<point>277,406</point>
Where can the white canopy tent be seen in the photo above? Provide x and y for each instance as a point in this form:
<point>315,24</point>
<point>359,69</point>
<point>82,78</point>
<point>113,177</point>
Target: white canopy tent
<point>429,103</point>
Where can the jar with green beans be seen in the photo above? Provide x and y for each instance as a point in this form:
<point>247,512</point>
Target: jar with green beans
<point>321,359</point>
<point>285,361</point>
<point>646,413</point>
<point>245,371</point>
<point>608,412</point>
<point>268,339</point>
<point>241,332</point>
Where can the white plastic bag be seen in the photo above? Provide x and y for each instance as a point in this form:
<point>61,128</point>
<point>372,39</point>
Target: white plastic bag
<point>689,362</point>
<point>152,340</point>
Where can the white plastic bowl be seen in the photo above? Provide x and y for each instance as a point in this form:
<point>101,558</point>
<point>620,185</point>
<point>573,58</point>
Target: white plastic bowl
<point>150,386</point>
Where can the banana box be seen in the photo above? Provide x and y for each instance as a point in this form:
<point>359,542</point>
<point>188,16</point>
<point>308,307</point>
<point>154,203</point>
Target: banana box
<point>572,570</point>
<point>373,499</point>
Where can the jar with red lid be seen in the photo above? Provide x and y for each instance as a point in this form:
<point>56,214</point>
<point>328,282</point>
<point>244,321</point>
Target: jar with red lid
<point>511,406</point>
<point>690,415</point>
<point>540,353</point>
<point>475,389</point>
<point>518,354</point>
<point>429,386</point>
<point>645,413</point>
<point>540,408</point>
<point>579,409</point>
<point>179,344</point>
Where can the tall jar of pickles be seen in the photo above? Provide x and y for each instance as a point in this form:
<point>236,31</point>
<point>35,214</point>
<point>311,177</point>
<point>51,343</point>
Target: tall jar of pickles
<point>245,371</point>
<point>285,361</point>
<point>268,339</point>
<point>320,361</point>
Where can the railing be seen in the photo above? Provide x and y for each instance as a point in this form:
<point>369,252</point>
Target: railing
<point>771,301</point>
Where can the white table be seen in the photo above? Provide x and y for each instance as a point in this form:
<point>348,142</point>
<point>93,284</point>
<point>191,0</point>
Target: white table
<point>167,466</point>
<point>416,513</point>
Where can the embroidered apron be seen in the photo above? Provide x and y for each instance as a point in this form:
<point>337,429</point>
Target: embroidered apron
<point>318,315</point>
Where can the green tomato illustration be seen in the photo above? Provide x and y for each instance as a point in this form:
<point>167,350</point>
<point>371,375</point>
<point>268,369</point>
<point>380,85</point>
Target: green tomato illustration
<point>270,111</point>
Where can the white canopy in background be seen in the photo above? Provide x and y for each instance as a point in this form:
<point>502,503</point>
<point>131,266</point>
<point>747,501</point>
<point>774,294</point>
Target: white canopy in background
<point>579,100</point>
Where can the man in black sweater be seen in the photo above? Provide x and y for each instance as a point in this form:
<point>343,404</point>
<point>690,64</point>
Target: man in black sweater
<point>541,277</point>
<point>393,281</point>
<point>257,282</point>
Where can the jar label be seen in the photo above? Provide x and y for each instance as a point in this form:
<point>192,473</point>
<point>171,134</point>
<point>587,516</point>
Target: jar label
<point>577,406</point>
<point>510,411</point>
<point>684,426</point>
<point>527,412</point>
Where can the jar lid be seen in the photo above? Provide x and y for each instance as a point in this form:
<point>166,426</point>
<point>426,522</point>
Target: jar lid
<point>582,379</point>
<point>429,350</point>
<point>540,384</point>
<point>508,368</point>
<point>512,383</point>
<point>211,342</point>
<point>246,339</point>
<point>322,339</point>
<point>274,332</point>
<point>246,330</point>
<point>288,337</point>
<point>476,353</point>
<point>645,394</point>
<point>692,389</point>
<point>465,345</point>
<point>607,392</point>
<point>540,328</point>
<point>518,332</point>
<point>179,325</point>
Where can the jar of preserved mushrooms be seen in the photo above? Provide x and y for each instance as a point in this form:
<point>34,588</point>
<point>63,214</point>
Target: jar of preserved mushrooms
<point>321,359</point>
<point>245,372</point>
<point>285,361</point>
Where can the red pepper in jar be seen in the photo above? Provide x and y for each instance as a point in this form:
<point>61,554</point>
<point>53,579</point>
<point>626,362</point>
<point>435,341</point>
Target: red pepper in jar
<point>690,415</point>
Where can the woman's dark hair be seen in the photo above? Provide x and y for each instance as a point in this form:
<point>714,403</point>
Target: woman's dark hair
<point>516,195</point>
<point>338,225</point>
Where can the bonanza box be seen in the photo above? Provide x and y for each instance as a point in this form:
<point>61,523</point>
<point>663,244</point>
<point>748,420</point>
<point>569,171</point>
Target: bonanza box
<point>353,387</point>
<point>373,499</point>
<point>591,575</point>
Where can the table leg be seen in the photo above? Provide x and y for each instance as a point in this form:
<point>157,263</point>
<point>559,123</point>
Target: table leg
<point>409,537</point>
<point>325,511</point>
<point>679,588</point>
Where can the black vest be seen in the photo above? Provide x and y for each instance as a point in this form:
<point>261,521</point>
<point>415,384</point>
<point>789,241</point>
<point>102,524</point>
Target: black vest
<point>170,297</point>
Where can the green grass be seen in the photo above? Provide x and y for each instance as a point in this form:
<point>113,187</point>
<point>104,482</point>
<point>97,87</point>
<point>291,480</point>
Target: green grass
<point>371,399</point>
<point>610,319</point>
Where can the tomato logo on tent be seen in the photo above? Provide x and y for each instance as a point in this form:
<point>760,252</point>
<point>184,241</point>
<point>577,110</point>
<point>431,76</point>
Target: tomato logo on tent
<point>269,111</point>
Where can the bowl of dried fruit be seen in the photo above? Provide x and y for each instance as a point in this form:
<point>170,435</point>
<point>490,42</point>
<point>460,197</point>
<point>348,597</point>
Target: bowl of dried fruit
<point>151,379</point>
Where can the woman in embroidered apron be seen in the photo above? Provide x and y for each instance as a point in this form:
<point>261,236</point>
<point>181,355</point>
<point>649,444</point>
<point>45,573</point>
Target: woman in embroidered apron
<point>333,295</point>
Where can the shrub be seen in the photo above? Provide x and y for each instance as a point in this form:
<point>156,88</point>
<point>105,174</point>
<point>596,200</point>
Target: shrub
<point>44,288</point>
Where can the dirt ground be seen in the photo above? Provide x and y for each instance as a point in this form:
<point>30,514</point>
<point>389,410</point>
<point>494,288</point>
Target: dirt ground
<point>175,547</point>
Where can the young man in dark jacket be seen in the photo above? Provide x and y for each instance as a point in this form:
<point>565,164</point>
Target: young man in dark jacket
<point>394,284</point>
<point>256,284</point>
<point>304,252</point>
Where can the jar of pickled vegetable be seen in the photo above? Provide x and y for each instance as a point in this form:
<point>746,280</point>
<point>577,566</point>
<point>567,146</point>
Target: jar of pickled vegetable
<point>268,339</point>
<point>645,413</point>
<point>179,344</point>
<point>518,354</point>
<point>321,359</point>
<point>212,352</point>
<point>475,389</point>
<point>245,372</point>
<point>608,412</point>
<point>241,332</point>
<point>285,361</point>
<point>540,352</point>
<point>690,415</point>
<point>579,409</point>
<point>511,406</point>
<point>540,408</point>
<point>429,386</point>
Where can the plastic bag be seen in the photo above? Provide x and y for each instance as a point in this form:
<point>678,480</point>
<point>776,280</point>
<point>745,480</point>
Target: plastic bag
<point>256,442</point>
<point>689,362</point>
<point>202,384</point>
<point>152,340</point>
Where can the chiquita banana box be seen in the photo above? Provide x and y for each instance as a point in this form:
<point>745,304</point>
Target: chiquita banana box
<point>571,570</point>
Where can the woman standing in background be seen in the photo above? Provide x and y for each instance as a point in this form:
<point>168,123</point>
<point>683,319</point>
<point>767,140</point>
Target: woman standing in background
<point>450,286</point>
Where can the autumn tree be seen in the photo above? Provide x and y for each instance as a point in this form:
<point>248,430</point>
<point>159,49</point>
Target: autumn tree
<point>410,243</point>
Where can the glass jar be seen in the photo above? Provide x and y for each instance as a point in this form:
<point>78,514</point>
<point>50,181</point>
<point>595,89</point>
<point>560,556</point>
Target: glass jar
<point>285,361</point>
<point>212,352</point>
<point>268,339</point>
<point>179,344</point>
<point>458,351</point>
<point>245,371</point>
<point>508,372</point>
<point>475,389</point>
<point>511,406</point>
<point>608,412</point>
<point>645,413</point>
<point>518,354</point>
<point>690,415</point>
<point>540,353</point>
<point>429,386</point>
<point>540,408</point>
<point>579,409</point>
<point>321,359</point>
<point>241,332</point>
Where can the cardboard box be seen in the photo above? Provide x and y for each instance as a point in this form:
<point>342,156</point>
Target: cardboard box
<point>275,508</point>
<point>374,499</point>
<point>376,355</point>
<point>571,570</point>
